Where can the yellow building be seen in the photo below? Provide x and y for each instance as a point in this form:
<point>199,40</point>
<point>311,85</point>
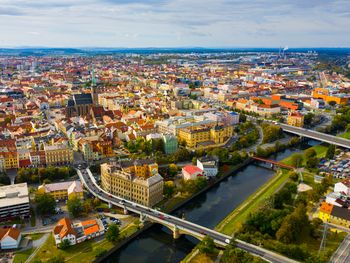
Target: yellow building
<point>334,214</point>
<point>59,154</point>
<point>295,119</point>
<point>325,212</point>
<point>8,160</point>
<point>135,181</point>
<point>63,190</point>
<point>200,136</point>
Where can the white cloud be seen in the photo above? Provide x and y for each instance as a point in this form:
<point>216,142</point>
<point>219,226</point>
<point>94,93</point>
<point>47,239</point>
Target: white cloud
<point>140,23</point>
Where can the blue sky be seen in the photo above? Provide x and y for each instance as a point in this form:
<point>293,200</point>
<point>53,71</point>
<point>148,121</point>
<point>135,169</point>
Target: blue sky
<point>175,23</point>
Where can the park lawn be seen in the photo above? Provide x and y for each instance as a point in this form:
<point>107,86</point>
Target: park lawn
<point>345,135</point>
<point>320,149</point>
<point>235,219</point>
<point>87,250</point>
<point>22,256</point>
<point>203,258</point>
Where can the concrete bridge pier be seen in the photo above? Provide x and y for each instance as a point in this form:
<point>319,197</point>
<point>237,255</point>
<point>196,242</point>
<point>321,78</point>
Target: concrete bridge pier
<point>125,211</point>
<point>176,232</point>
<point>110,205</point>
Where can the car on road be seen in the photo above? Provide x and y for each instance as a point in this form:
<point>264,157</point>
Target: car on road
<point>227,241</point>
<point>161,217</point>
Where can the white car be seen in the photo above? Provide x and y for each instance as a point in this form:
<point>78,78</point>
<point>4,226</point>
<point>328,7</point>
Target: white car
<point>227,241</point>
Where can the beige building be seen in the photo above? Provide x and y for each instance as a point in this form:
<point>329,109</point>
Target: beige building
<point>59,154</point>
<point>128,183</point>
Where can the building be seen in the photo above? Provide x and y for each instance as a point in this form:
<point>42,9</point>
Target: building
<point>170,143</point>
<point>334,214</point>
<point>295,119</point>
<point>14,201</point>
<point>329,95</point>
<point>8,160</point>
<point>79,105</point>
<point>137,181</point>
<point>62,190</point>
<point>191,172</point>
<point>10,238</point>
<point>78,232</point>
<point>204,136</point>
<point>64,231</point>
<point>209,165</point>
<point>317,103</point>
<point>58,154</point>
<point>325,211</point>
<point>343,187</point>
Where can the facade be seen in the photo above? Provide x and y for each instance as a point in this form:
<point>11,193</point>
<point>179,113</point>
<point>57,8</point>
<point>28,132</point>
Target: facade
<point>209,165</point>
<point>138,182</point>
<point>329,95</point>
<point>295,119</point>
<point>170,143</point>
<point>191,172</point>
<point>64,230</point>
<point>14,201</point>
<point>62,190</point>
<point>10,238</point>
<point>8,160</point>
<point>79,105</point>
<point>343,187</point>
<point>59,154</point>
<point>334,214</point>
<point>203,136</point>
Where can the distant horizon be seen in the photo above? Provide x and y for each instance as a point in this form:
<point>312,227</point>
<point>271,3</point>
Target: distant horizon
<point>173,47</point>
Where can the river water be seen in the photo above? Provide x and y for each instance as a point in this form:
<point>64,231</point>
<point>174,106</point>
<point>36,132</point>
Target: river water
<point>157,244</point>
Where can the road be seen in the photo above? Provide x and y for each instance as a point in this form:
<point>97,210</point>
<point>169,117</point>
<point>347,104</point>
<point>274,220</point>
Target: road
<point>319,136</point>
<point>342,254</point>
<point>175,222</point>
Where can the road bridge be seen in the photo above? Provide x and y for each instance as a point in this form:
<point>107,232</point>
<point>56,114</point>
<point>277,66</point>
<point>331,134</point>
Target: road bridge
<point>272,162</point>
<point>177,225</point>
<point>307,133</point>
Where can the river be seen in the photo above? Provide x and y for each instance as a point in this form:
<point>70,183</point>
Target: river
<point>157,243</point>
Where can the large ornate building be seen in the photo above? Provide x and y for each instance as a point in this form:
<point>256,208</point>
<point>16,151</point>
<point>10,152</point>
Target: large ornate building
<point>137,181</point>
<point>79,105</point>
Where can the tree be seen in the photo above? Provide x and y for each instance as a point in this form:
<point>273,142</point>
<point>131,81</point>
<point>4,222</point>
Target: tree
<point>330,151</point>
<point>309,153</point>
<point>207,246</point>
<point>293,176</point>
<point>297,160</point>
<point>294,225</point>
<point>112,233</point>
<point>332,103</point>
<point>45,204</point>
<point>172,169</point>
<point>200,183</point>
<point>65,244</point>
<point>168,189</point>
<point>4,179</point>
<point>312,162</point>
<point>74,205</point>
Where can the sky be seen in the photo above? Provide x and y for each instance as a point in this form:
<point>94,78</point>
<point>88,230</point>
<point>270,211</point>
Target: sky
<point>175,23</point>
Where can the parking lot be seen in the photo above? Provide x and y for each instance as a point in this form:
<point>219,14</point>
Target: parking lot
<point>339,166</point>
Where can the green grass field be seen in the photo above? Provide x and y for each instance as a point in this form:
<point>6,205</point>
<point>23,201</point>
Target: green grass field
<point>345,135</point>
<point>22,256</point>
<point>320,150</point>
<point>87,250</point>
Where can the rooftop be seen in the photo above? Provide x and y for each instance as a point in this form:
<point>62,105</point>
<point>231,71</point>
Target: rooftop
<point>13,195</point>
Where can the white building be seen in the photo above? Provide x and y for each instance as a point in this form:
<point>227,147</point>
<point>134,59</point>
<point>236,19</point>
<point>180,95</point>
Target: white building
<point>10,238</point>
<point>191,172</point>
<point>209,165</point>
<point>343,187</point>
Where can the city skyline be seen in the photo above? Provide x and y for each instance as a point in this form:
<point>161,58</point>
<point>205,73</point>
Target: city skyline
<point>174,23</point>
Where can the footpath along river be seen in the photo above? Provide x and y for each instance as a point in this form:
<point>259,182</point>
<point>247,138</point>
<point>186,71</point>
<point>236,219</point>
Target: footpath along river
<point>208,209</point>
